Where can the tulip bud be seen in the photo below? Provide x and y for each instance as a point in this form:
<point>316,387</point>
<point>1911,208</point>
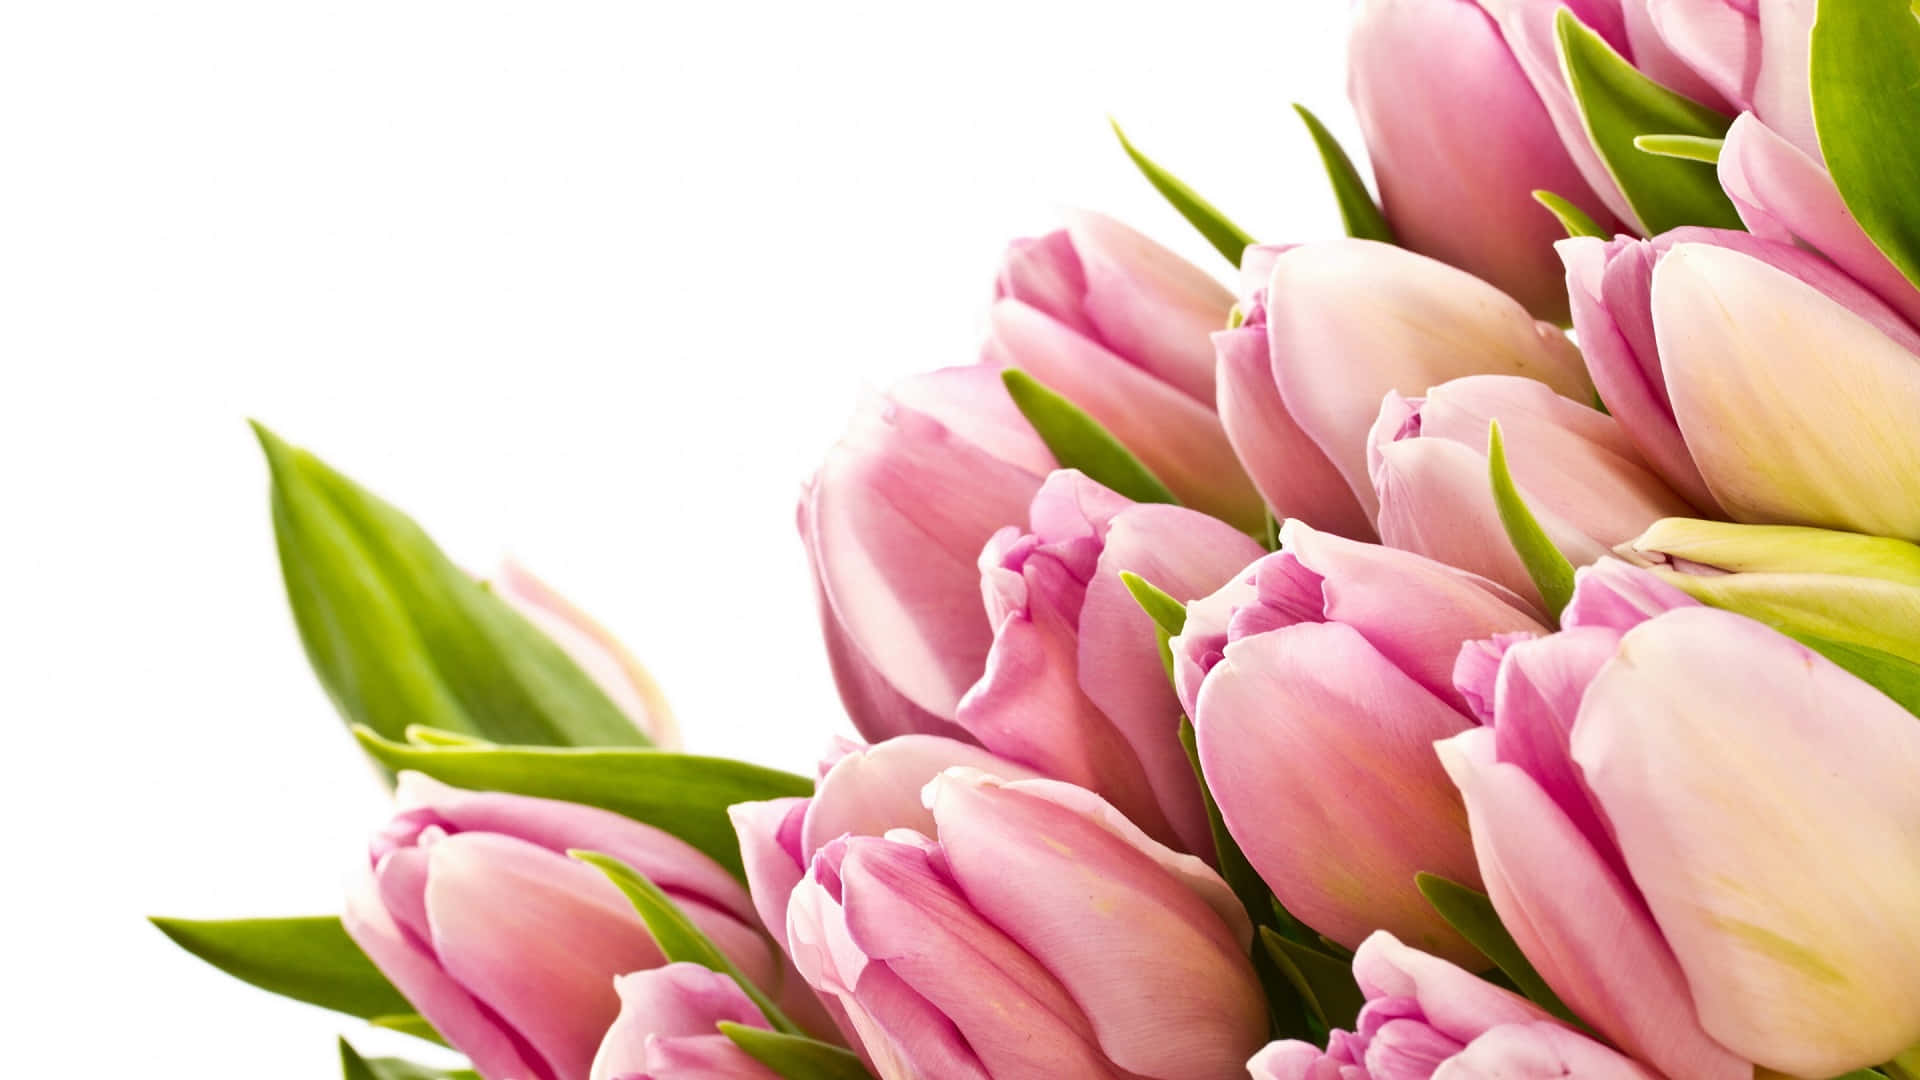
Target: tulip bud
<point>1393,321</point>
<point>506,945</point>
<point>1325,672</point>
<point>1074,687</point>
<point>1575,469</point>
<point>893,523</point>
<point>1429,79</point>
<point>598,652</point>
<point>1035,931</point>
<point>1120,325</point>
<point>1426,1018</point>
<point>1753,53</point>
<point>667,1028</point>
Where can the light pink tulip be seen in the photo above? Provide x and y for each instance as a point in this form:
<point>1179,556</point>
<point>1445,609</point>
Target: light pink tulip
<point>1074,686</point>
<point>1426,1019</point>
<point>667,1028</point>
<point>1120,325</point>
<point>893,523</point>
<point>1350,320</point>
<point>1318,683</point>
<point>598,652</point>
<point>1576,470</point>
<point>1752,52</point>
<point>1035,932</point>
<point>1428,80</point>
<point>508,947</point>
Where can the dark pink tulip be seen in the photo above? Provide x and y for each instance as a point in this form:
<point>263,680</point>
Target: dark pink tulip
<point>1426,1019</point>
<point>1120,325</point>
<point>1324,672</point>
<point>1574,467</point>
<point>1074,686</point>
<point>1429,79</point>
<point>1035,932</point>
<point>893,521</point>
<point>667,1030</point>
<point>508,947</point>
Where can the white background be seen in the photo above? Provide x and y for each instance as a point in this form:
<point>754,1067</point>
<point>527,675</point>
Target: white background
<point>589,283</point>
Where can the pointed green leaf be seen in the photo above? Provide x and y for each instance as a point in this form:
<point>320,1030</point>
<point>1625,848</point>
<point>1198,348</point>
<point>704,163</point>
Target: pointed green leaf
<point>1895,676</point>
<point>1685,147</point>
<point>1079,442</point>
<point>1227,238</point>
<point>1325,983</point>
<point>683,794</point>
<point>399,635</point>
<point>1552,574</point>
<point>1168,614</point>
<point>407,1024</point>
<point>1358,211</point>
<point>795,1057</point>
<point>1617,105</point>
<point>1573,219</point>
<point>1865,64</point>
<point>1470,912</point>
<point>676,935</point>
<point>355,1067</point>
<point>307,958</point>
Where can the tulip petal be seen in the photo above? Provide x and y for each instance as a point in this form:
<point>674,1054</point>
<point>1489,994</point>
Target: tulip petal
<point>1150,304</point>
<point>770,848</point>
<point>876,789</point>
<point>1777,852</point>
<point>1538,1051</point>
<point>1719,41</point>
<point>1455,1002</point>
<point>1783,90</point>
<point>674,1000</point>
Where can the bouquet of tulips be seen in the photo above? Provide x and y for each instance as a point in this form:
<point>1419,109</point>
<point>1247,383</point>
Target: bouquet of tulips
<point>1484,646</point>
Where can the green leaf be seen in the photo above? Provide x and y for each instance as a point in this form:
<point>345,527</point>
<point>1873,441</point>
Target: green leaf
<point>1079,442</point>
<point>1325,983</point>
<point>1168,614</point>
<point>355,1067</point>
<point>1358,211</point>
<point>1552,574</point>
<point>1227,238</point>
<point>399,635</point>
<point>1895,676</point>
<point>1685,147</point>
<point>795,1057</point>
<point>1471,913</point>
<point>1865,67</point>
<point>1617,105</point>
<point>682,794</point>
<point>307,958</point>
<point>1573,219</point>
<point>679,940</point>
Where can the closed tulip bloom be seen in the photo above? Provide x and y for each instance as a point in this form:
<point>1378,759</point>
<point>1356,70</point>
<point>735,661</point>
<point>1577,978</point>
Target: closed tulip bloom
<point>1350,320</point>
<point>1752,52</point>
<point>1574,467</point>
<point>1034,932</point>
<point>589,645</point>
<point>1426,1019</point>
<point>893,522</point>
<point>1326,672</point>
<point>1428,79</point>
<point>471,906</point>
<point>1073,686</point>
<point>1120,325</point>
<point>667,1028</point>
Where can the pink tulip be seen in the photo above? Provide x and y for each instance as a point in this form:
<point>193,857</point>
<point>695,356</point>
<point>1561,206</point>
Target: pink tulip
<point>1752,52</point>
<point>667,1028</point>
<point>1426,1019</point>
<point>1120,325</point>
<point>1576,470</point>
<point>1429,79</point>
<point>894,521</point>
<point>598,652</point>
<point>1035,932</point>
<point>1074,686</point>
<point>1318,683</point>
<point>1350,320</point>
<point>507,946</point>
<point>1656,763</point>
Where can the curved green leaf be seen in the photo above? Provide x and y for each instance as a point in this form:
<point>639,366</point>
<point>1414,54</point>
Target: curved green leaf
<point>1358,211</point>
<point>1470,912</point>
<point>355,1067</point>
<point>1325,983</point>
<point>399,635</point>
<point>1865,68</point>
<point>1685,147</point>
<point>1618,105</point>
<point>682,794</point>
<point>1552,574</point>
<point>1079,442</point>
<point>1573,219</point>
<point>795,1057</point>
<point>1227,238</point>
